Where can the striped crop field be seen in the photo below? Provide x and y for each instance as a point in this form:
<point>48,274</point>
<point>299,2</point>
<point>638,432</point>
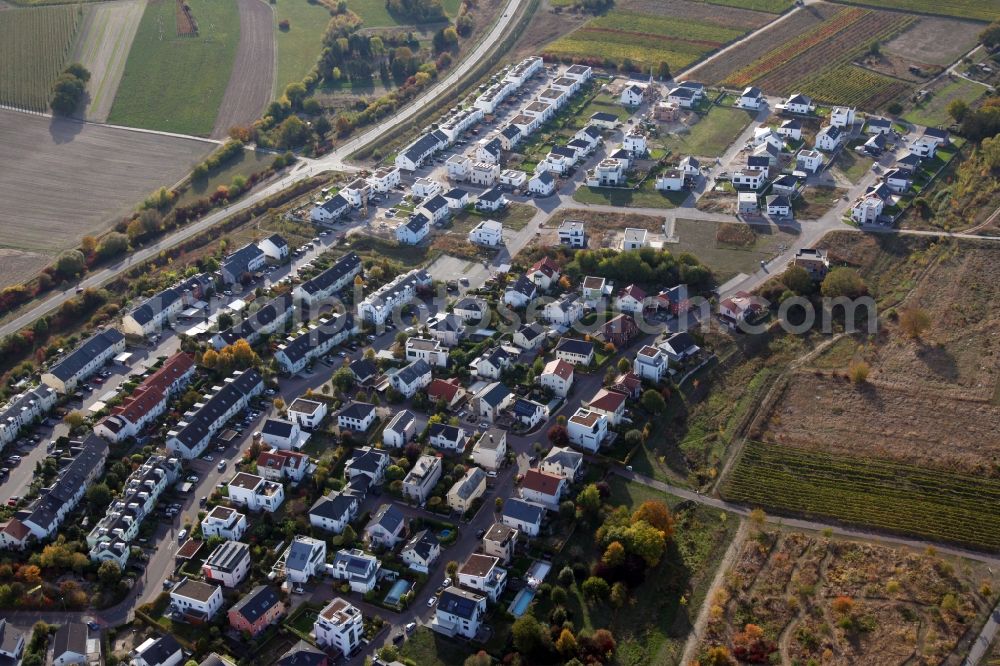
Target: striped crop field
<point>35,44</point>
<point>853,86</point>
<point>933,504</point>
<point>820,54</point>
<point>644,39</point>
<point>980,10</point>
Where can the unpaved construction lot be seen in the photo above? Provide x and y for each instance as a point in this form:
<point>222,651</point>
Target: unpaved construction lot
<point>64,179</point>
<point>252,80</point>
<point>103,46</point>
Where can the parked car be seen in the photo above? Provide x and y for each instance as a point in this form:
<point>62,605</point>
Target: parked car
<point>182,535</point>
<point>222,465</point>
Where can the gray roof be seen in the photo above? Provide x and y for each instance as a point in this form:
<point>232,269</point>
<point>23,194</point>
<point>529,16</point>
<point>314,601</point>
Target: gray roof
<point>492,194</point>
<point>435,203</point>
<point>335,506</point>
<point>413,371</point>
<point>364,368</point>
<point>83,467</point>
<point>301,345</point>
<point>423,544</point>
<point>449,432</point>
<point>389,518</point>
<point>532,331</point>
<point>422,146</point>
<point>303,654</point>
<point>71,637</point>
<point>268,313</point>
<point>228,555</point>
<point>607,117</point>
<point>574,346</point>
<point>495,394</point>
<point>357,410</point>
<point>523,286</point>
<point>85,353</point>
<point>238,262</point>
<point>523,511</point>
<point>162,650</point>
<point>524,407</point>
<point>300,552</point>
<point>278,240</point>
<point>470,482</point>
<point>201,423</point>
<point>459,602</point>
<point>277,428</point>
<point>256,603</point>
<point>564,456</point>
<point>401,421</point>
<point>778,200</point>
<point>335,204</point>
<point>545,177</point>
<point>343,266</point>
<point>368,460</point>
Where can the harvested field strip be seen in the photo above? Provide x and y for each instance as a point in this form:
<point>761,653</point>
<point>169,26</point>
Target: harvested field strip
<point>981,10</point>
<point>629,37</point>
<point>252,79</point>
<point>665,26</point>
<point>578,45</point>
<point>898,498</point>
<point>34,47</point>
<point>791,49</point>
<point>105,39</point>
<point>186,75</point>
<point>769,6</point>
<point>853,86</point>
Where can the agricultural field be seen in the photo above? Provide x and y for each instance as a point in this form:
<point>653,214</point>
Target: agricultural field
<point>769,6</point>
<point>299,47</point>
<point>646,39</point>
<point>35,45</point>
<point>252,81</point>
<point>934,41</point>
<point>816,599</point>
<point>102,47</point>
<point>711,135</point>
<point>187,74</point>
<point>78,199</point>
<point>979,10</point>
<point>817,61</point>
<point>933,112</point>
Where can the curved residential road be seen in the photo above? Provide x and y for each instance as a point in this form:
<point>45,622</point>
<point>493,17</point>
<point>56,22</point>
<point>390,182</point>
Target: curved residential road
<point>305,168</point>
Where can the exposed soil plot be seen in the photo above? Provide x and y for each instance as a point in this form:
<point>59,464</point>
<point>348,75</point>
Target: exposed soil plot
<point>103,45</point>
<point>811,599</point>
<point>79,199</point>
<point>187,26</point>
<point>252,80</point>
<point>17,266</point>
<point>935,41</point>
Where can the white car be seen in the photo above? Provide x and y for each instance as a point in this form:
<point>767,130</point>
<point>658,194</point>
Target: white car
<point>431,602</point>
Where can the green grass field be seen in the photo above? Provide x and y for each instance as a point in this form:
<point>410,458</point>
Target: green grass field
<point>853,86</point>
<point>710,136</point>
<point>980,10</point>
<point>298,48</point>
<point>428,648</point>
<point>934,112</point>
<point>34,47</point>
<point>647,196</point>
<point>853,165</point>
<point>699,238</point>
<point>174,83</point>
<point>247,163</point>
<point>645,39</point>
<point>937,505</point>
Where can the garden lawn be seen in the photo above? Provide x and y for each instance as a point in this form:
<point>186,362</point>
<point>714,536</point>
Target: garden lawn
<point>711,135</point>
<point>654,627</point>
<point>647,196</point>
<point>934,112</point>
<point>176,83</point>
<point>299,47</point>
<point>853,165</point>
<point>428,648</point>
<point>725,260</point>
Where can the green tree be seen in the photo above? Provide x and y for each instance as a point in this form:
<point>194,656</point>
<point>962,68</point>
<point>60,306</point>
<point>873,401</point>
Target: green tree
<point>844,282</point>
<point>624,365</point>
<point>646,541</point>
<point>595,588</point>
<point>292,132</point>
<point>652,401</point>
<point>797,279</point>
<point>566,643</point>
<point>589,500</point>
<point>295,92</point>
<point>566,577</point>
<point>112,245</point>
<point>70,263</point>
<point>343,379</point>
<point>99,495</point>
<point>957,108</point>
<point>990,36</point>
<point>614,554</point>
<point>109,574</point>
<point>527,634</point>
<point>619,595</point>
<point>663,71</point>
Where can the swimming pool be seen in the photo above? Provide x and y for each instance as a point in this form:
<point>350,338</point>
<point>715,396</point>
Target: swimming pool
<point>519,606</point>
<point>444,534</point>
<point>399,588</point>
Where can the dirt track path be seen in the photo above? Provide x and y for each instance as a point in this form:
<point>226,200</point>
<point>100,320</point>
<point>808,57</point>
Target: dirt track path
<point>252,79</point>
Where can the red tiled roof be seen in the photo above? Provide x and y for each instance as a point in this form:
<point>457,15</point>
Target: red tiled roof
<point>545,265</point>
<point>189,549</point>
<point>607,401</point>
<point>16,529</point>
<point>560,368</point>
<point>443,388</point>
<point>633,291</point>
<point>629,379</point>
<point>279,459</point>
<point>154,388</point>
<point>541,482</point>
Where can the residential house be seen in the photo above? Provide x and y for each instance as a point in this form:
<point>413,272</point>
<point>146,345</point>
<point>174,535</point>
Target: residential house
<point>386,528</point>
<point>875,145</point>
<point>69,645</point>
<point>509,136</point>
<point>242,263</point>
<point>11,644</point>
<point>829,138</point>
<point>483,573</point>
<point>522,516</point>
<point>368,462</point>
<point>435,209</point>
<point>256,493</point>
<point>924,147</point>
<point>401,430</point>
<point>629,384</point>
<point>357,192</point>
<point>282,434</point>
<point>66,374</point>
<point>875,125</point>
<point>899,179</point>
<point>557,377</point>
<point>492,363</point>
<point>259,609</point>
<point>867,209</point>
<point>296,352</point>
<point>750,98</point>
<point>619,331</point>
<point>787,185</point>
<point>450,391</point>
<point>304,558</point>
<point>191,435</point>
<point>153,314</point>
<point>500,541</point>
<point>492,399</point>
<point>274,246</point>
<point>595,289</point>
<point>414,230</point>
<point>413,155</point>
<point>488,233</point>
<point>581,73</point>
<point>791,129</point>
<point>146,402</point>
<point>467,489</point>
<point>587,429</point>
<point>356,416</point>
<point>747,203</point>
<point>749,178</point>
<point>682,97</point>
<point>634,142</point>
<point>513,179</point>
<point>411,378</point>
<point>446,437</point>
<point>488,153</point>
<point>528,412</point>
<point>384,180</point>
<point>542,488</point>
<point>671,180</point>
<point>571,233</point>
<point>809,161</point>
<point>574,351</point>
<point>798,103</point>
<point>357,568</point>
<point>447,330</point>
<point>529,336</point>
<point>491,200</point>
<point>610,403</point>
<point>307,413</point>
<point>431,352</point>
<point>458,167</point>
<point>604,120</point>
<point>542,184</point>
<point>339,625</point>
<point>225,523</point>
<point>457,198</point>
<point>160,651</point>
<point>365,371</point>
<point>778,205</point>
<point>25,410</point>
<point>679,347</point>
<point>335,511</point>
<point>741,306</point>
<point>631,95</point>
<point>196,601</point>
<point>565,311</point>
<point>228,564</point>
<point>332,209</point>
<point>562,462</point>
<point>491,449</point>
<point>425,188</point>
<point>607,173</point>
<point>650,364</point>
<point>631,299</point>
<point>278,465</point>
<point>521,292</point>
<point>634,239</point>
<point>421,551</point>
<point>842,116</point>
<point>814,261</point>
<point>544,273</point>
<point>421,479</point>
<point>330,281</point>
<point>590,135</point>
<point>459,612</point>
<point>471,309</point>
<point>303,654</point>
